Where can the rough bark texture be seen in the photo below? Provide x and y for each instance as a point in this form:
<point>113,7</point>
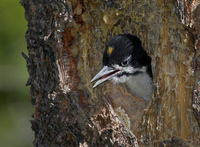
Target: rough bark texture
<point>65,41</point>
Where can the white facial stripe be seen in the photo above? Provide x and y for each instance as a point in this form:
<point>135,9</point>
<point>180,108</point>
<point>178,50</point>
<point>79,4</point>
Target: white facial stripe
<point>129,58</point>
<point>127,69</point>
<point>130,69</point>
<point>121,79</point>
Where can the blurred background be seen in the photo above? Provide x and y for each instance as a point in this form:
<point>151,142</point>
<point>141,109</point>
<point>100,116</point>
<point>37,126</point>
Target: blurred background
<point>15,105</point>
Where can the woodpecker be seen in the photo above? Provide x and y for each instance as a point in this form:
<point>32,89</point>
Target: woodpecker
<point>125,61</point>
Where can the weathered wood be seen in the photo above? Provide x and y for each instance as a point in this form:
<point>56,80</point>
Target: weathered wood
<point>65,41</point>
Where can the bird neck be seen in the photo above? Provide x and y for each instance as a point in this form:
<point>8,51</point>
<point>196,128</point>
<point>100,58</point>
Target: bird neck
<point>141,85</point>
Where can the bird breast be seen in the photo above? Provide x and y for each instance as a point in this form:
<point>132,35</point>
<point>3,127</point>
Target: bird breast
<point>141,85</point>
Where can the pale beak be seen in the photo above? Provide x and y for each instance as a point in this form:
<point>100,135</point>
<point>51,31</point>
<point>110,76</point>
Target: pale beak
<point>105,74</point>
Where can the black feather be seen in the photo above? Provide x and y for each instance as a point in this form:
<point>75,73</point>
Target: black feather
<point>125,45</point>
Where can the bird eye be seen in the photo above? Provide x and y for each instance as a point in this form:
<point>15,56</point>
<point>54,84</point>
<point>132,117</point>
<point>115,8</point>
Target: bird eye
<point>125,62</point>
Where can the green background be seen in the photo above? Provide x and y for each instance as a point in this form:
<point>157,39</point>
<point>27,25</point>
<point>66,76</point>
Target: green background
<point>15,104</point>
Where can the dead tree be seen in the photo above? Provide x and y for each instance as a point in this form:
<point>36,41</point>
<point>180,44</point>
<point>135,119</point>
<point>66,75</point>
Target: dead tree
<point>65,41</point>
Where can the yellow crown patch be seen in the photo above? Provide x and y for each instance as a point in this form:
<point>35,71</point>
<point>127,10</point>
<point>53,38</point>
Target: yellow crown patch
<point>110,50</point>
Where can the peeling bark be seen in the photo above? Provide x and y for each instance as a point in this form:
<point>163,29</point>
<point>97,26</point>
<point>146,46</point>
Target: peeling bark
<point>65,41</point>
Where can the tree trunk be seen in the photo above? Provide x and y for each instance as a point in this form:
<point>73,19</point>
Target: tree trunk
<point>65,41</point>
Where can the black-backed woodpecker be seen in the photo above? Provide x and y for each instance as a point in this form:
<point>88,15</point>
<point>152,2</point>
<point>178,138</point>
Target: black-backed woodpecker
<point>125,61</point>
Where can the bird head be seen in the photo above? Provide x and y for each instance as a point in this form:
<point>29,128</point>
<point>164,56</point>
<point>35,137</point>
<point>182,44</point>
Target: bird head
<point>123,57</point>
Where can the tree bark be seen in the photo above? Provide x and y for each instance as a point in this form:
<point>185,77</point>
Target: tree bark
<point>65,41</point>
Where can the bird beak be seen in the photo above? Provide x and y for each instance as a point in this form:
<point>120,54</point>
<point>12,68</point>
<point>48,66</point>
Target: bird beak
<point>105,74</point>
